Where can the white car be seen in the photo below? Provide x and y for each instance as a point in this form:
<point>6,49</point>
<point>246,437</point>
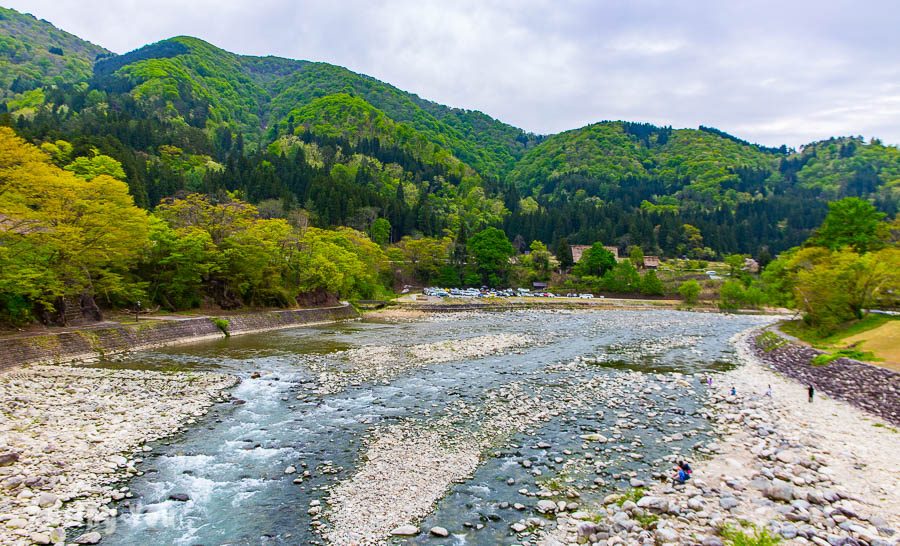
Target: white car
<point>586,296</point>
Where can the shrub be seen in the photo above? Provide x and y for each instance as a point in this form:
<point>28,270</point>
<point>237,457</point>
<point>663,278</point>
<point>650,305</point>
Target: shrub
<point>769,341</point>
<point>690,291</point>
<point>749,536</point>
<point>827,358</point>
<point>222,324</point>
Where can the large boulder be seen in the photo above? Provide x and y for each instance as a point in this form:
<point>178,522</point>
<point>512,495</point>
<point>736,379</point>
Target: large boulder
<point>405,531</point>
<point>657,505</point>
<point>8,458</point>
<point>780,491</point>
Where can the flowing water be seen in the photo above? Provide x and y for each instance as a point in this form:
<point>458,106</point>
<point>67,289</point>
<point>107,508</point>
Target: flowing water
<point>232,463</point>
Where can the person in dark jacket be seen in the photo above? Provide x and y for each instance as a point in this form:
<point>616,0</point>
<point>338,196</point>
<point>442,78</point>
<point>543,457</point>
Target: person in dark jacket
<point>812,392</point>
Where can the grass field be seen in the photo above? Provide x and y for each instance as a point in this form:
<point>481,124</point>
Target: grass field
<point>878,334</point>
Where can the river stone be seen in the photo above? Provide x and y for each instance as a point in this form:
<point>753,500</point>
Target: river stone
<point>439,532</point>
<point>9,458</point>
<point>658,505</point>
<point>546,506</point>
<point>780,491</point>
<point>666,534</point>
<point>40,538</point>
<point>45,500</point>
<point>788,531</point>
<point>405,531</point>
<point>89,538</point>
<point>728,503</point>
<point>180,497</point>
<point>518,527</point>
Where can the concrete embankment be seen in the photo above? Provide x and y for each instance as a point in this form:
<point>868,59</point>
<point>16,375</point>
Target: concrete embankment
<point>90,344</point>
<point>870,388</point>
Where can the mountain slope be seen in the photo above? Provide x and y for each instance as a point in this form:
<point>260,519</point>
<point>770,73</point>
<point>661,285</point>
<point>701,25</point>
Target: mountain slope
<point>194,82</point>
<point>701,165</point>
<point>34,53</point>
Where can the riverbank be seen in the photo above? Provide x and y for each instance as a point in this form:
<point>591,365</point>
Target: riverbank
<point>820,473</point>
<point>70,436</point>
<point>90,344</point>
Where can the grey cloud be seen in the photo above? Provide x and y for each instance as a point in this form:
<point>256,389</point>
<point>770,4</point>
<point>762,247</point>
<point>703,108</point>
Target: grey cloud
<point>772,72</point>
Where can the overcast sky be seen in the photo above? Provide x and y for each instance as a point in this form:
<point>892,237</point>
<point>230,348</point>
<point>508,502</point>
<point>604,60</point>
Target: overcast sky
<point>776,72</point>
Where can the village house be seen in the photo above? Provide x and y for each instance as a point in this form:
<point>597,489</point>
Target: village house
<point>651,262</point>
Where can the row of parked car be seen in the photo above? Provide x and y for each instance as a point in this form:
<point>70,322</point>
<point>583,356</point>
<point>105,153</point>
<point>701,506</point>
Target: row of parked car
<point>485,292</point>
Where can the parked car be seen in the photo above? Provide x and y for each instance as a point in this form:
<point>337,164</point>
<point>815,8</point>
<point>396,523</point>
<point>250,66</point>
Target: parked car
<point>586,296</point>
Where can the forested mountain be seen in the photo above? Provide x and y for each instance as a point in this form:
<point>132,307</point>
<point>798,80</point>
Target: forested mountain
<point>35,54</point>
<point>317,141</point>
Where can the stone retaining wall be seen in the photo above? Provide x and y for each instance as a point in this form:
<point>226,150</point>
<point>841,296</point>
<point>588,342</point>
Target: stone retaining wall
<point>870,388</point>
<point>90,344</point>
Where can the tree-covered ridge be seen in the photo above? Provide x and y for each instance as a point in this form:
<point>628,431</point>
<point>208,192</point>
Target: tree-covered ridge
<point>703,166</point>
<point>34,53</point>
<point>850,166</point>
<point>191,81</point>
<point>353,119</point>
<point>484,143</point>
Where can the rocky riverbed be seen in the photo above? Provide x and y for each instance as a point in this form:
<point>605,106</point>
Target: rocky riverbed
<point>69,437</point>
<point>807,473</point>
<point>466,428</point>
<point>385,362</point>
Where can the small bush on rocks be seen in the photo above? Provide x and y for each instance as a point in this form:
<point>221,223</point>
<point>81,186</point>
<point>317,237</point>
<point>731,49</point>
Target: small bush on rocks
<point>750,535</point>
<point>769,341</point>
<point>222,324</point>
<point>632,495</point>
<point>827,358</point>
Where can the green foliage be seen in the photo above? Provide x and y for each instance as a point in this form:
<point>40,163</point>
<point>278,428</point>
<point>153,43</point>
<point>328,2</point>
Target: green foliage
<point>595,261</point>
<point>749,535</point>
<point>689,291</point>
<point>636,255</point>
<point>852,222</point>
<point>707,161</point>
<point>537,262</point>
<point>827,358</point>
<point>222,324</point>
<point>769,341</point>
<point>380,231</point>
<point>61,235</point>
<point>34,53</point>
<point>623,277</point>
<point>735,295</point>
<point>90,168</point>
<point>491,251</point>
<point>651,285</point>
<point>646,520</point>
<point>634,494</point>
<point>801,330</point>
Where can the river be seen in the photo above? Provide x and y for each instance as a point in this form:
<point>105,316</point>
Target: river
<point>309,398</point>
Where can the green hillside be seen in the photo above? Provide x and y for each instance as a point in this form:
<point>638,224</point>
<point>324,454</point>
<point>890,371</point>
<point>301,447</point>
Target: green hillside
<point>190,81</point>
<point>342,148</point>
<point>34,54</point>
<point>693,165</point>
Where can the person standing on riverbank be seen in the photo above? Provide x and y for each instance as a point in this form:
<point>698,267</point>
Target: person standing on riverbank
<point>769,391</point>
<point>733,391</point>
<point>812,392</point>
